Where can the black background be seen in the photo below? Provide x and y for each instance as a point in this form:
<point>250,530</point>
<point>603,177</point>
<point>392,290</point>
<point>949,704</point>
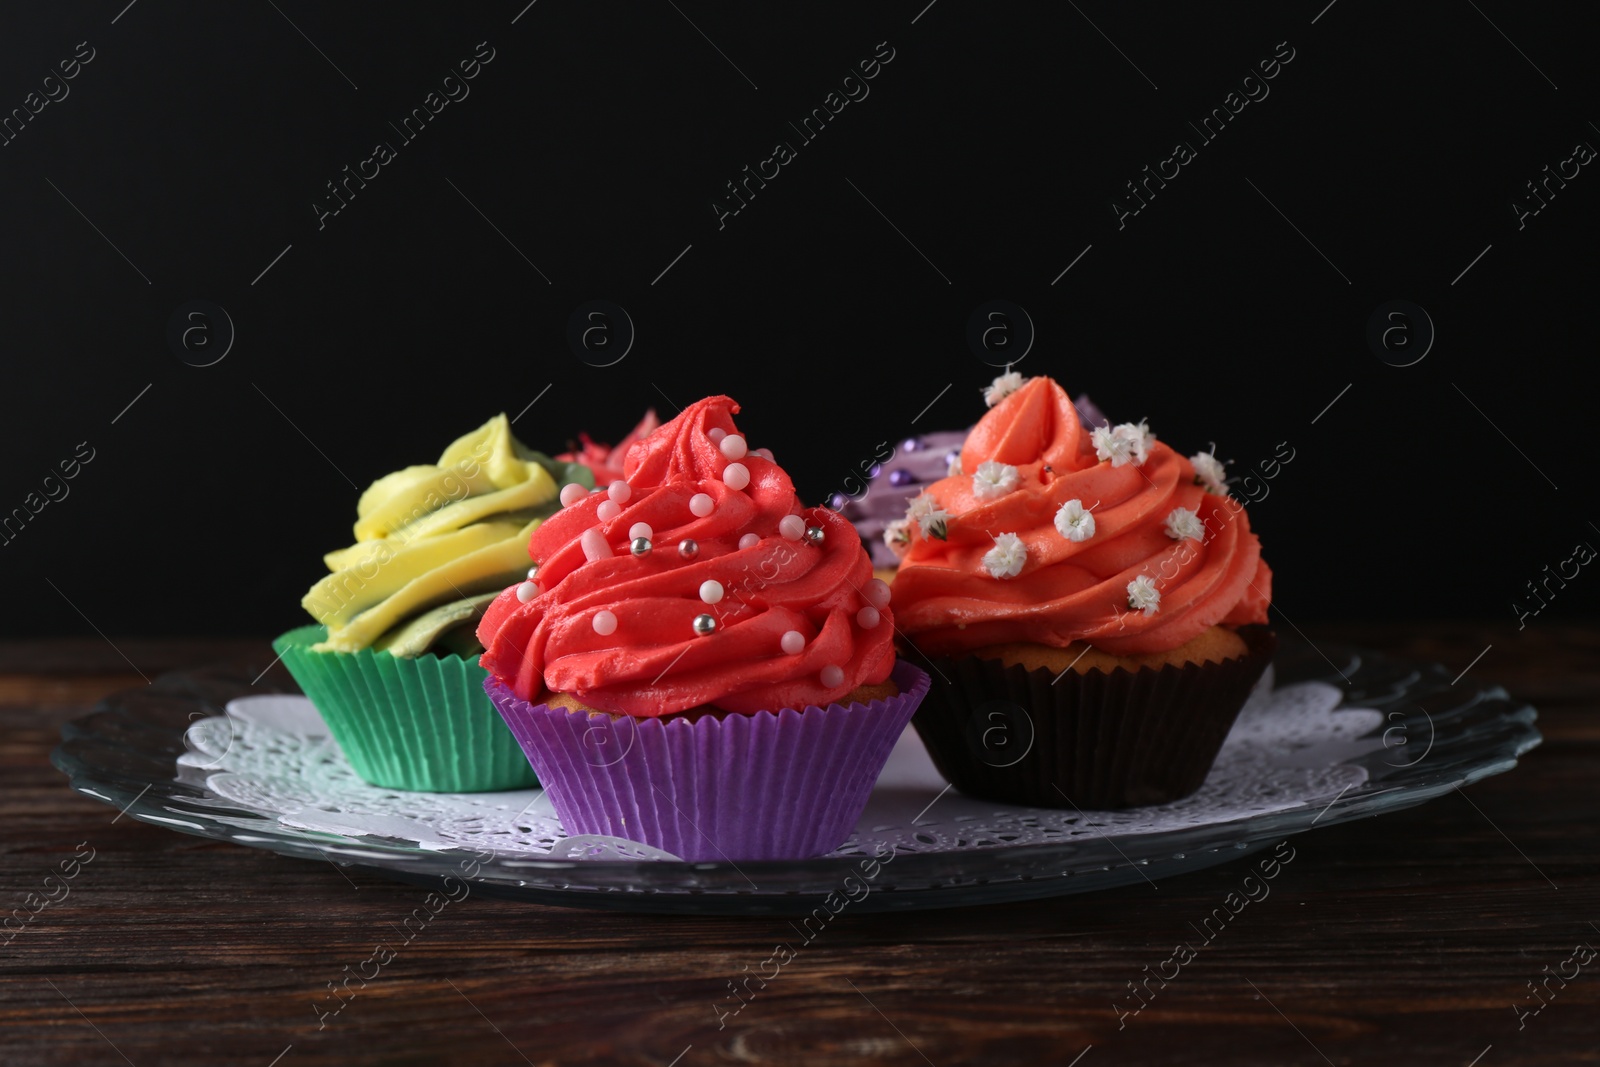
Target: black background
<point>200,136</point>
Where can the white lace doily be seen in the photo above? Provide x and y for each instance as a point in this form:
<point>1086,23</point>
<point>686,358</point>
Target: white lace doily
<point>273,755</point>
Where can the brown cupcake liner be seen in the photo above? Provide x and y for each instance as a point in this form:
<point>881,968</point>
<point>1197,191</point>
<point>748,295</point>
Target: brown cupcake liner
<point>1095,740</point>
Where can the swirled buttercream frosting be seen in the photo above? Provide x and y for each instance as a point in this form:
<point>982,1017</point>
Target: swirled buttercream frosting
<point>435,543</point>
<point>696,579</point>
<point>606,460</point>
<point>877,508</point>
<point>1055,532</point>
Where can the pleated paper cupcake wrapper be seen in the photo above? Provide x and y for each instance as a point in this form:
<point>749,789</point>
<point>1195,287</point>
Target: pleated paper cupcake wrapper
<point>1095,740</point>
<point>773,785</point>
<point>419,723</point>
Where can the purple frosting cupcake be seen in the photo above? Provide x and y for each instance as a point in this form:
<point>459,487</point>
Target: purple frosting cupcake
<point>916,462</point>
<point>879,512</point>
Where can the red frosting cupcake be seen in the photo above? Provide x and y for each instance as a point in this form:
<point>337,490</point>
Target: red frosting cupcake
<point>606,460</point>
<point>1095,595</point>
<point>698,662</point>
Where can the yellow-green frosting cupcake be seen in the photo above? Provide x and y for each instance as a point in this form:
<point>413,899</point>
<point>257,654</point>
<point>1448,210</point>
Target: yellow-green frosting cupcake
<point>394,666</point>
<point>435,542</point>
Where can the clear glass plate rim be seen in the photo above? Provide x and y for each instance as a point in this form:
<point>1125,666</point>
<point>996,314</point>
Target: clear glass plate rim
<point>1509,733</point>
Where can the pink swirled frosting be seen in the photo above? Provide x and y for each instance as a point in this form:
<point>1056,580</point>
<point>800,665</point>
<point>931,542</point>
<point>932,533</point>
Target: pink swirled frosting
<point>950,601</point>
<point>775,583</point>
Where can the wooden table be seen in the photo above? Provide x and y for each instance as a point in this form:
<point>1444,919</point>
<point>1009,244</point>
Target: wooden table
<point>1406,939</point>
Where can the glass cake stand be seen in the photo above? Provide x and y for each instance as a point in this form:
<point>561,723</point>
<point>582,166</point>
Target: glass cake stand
<point>1322,741</point>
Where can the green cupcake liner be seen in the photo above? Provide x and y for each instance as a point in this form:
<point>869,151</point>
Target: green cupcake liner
<point>421,723</point>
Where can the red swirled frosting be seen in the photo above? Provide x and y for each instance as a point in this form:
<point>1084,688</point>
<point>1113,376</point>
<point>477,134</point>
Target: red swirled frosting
<point>654,662</point>
<point>606,460</point>
<point>949,602</point>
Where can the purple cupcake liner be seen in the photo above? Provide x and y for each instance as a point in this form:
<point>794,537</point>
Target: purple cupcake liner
<point>730,787</point>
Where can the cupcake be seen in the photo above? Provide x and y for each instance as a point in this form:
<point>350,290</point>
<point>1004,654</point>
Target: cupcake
<point>698,662</point>
<point>392,662</point>
<point>606,460</point>
<point>877,508</point>
<point>1092,604</point>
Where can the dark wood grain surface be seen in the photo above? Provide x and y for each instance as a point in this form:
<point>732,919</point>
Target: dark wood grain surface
<point>1410,938</point>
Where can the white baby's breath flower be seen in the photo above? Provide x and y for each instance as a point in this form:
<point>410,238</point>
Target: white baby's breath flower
<point>1182,523</point>
<point>1002,387</point>
<point>1112,445</point>
<point>1122,444</point>
<point>928,515</point>
<point>993,480</point>
<point>1143,595</point>
<point>1006,558</point>
<point>897,535</point>
<point>1074,523</point>
<point>1208,472</point>
<point>1143,440</point>
<point>953,468</point>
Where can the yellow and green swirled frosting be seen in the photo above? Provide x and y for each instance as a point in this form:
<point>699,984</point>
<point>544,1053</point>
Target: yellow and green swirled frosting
<point>436,543</point>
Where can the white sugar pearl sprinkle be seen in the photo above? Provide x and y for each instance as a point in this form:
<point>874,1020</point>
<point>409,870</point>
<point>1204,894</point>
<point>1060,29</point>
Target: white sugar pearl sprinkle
<point>595,545</point>
<point>702,505</point>
<point>711,591</point>
<point>832,676</point>
<point>571,494</point>
<point>716,433</point>
<point>878,593</point>
<point>764,453</point>
<point>608,510</point>
<point>619,491</point>
<point>868,617</point>
<point>793,642</point>
<point>792,527</point>
<point>733,446</point>
<point>527,591</point>
<point>736,475</point>
<point>640,529</point>
<point>749,540</point>
<point>605,623</point>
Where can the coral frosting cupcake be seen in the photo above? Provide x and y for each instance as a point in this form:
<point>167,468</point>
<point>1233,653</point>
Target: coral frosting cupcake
<point>392,664</point>
<point>698,662</point>
<point>877,509</point>
<point>1093,604</point>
